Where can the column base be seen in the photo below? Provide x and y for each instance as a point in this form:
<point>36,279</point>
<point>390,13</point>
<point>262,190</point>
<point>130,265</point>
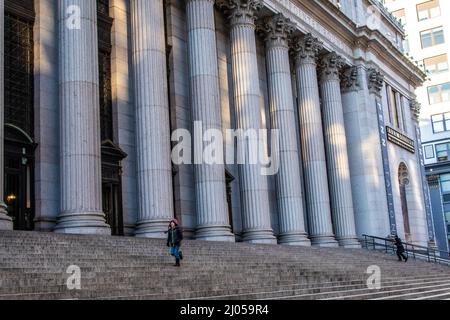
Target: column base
<point>214,233</point>
<point>294,239</point>
<point>44,224</point>
<point>6,223</point>
<point>87,223</point>
<point>324,242</point>
<point>153,229</point>
<point>259,237</point>
<point>349,243</point>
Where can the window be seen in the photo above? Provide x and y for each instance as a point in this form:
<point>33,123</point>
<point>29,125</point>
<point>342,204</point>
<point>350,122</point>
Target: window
<point>429,152</point>
<point>442,153</point>
<point>394,105</point>
<point>428,10</point>
<point>432,37</point>
<point>445,183</point>
<point>439,93</point>
<point>19,92</point>
<point>437,64</point>
<point>441,122</point>
<point>104,68</point>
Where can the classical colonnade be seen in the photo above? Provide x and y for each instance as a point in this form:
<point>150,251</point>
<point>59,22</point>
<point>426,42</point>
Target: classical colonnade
<point>324,149</point>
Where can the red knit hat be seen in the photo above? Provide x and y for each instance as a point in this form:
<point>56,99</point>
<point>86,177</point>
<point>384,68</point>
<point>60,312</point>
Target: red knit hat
<point>174,221</point>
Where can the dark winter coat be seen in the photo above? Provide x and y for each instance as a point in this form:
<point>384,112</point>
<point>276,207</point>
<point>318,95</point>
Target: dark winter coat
<point>174,237</point>
<point>399,245</point>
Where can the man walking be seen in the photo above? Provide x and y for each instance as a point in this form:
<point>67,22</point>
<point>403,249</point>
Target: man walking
<point>400,249</point>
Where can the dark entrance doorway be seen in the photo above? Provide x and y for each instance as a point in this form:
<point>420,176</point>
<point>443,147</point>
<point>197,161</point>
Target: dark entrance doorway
<point>229,180</point>
<point>18,112</point>
<point>19,178</point>
<point>112,186</point>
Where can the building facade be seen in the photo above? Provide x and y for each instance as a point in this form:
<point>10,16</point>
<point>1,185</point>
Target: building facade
<point>94,91</point>
<point>427,24</point>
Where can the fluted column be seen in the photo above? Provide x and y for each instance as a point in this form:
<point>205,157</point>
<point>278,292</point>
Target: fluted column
<point>253,185</point>
<point>336,151</point>
<point>313,149</point>
<point>5,220</point>
<point>154,168</point>
<point>81,196</point>
<point>289,193</point>
<point>212,208</point>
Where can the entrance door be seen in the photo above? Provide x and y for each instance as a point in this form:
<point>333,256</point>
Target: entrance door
<point>112,207</point>
<point>112,155</point>
<point>18,187</point>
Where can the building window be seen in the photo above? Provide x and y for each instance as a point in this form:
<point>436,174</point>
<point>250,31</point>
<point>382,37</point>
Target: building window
<point>432,37</point>
<point>428,10</point>
<point>439,93</point>
<point>394,105</point>
<point>441,122</point>
<point>104,68</point>
<point>437,64</point>
<point>442,153</point>
<point>445,183</point>
<point>19,92</point>
<point>429,152</point>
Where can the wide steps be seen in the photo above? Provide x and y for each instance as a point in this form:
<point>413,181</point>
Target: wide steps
<point>34,265</point>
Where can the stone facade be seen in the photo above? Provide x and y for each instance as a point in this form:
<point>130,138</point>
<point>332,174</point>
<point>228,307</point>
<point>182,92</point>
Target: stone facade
<point>302,67</point>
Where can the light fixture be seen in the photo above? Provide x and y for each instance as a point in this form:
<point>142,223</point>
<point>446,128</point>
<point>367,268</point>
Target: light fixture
<point>11,198</point>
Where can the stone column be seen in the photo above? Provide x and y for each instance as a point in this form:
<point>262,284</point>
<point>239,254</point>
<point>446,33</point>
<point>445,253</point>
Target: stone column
<point>313,148</point>
<point>212,208</point>
<point>253,185</point>
<point>154,167</point>
<point>289,192</point>
<point>81,189</point>
<point>336,151</point>
<point>5,220</point>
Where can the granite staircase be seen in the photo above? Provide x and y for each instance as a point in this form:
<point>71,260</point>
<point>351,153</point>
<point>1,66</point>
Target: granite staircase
<point>34,266</point>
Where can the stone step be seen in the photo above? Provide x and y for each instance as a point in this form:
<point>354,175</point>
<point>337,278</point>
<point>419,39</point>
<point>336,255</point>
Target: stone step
<point>141,293</point>
<point>323,293</point>
<point>389,292</point>
<point>33,266</point>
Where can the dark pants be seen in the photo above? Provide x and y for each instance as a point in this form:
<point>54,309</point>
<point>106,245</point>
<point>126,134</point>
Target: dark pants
<point>401,255</point>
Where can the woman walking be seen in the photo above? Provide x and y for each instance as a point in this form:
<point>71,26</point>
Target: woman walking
<point>174,238</point>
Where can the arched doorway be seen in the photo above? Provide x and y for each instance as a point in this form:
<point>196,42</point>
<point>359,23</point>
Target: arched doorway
<point>19,112</point>
<point>403,179</point>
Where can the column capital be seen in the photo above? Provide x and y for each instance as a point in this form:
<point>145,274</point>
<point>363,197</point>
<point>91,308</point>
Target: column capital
<point>306,49</point>
<point>349,79</point>
<point>416,108</point>
<point>276,30</point>
<point>375,81</point>
<point>330,66</point>
<point>240,11</point>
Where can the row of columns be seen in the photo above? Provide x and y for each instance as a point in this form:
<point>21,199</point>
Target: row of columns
<point>324,152</point>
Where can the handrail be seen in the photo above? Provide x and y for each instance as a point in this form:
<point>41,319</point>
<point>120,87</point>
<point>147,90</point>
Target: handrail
<point>416,251</point>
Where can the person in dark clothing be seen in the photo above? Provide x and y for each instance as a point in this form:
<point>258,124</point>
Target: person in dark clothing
<point>400,249</point>
<point>174,238</point>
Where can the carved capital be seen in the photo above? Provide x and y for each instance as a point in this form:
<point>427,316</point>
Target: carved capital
<point>306,49</point>
<point>416,108</point>
<point>330,66</point>
<point>375,81</point>
<point>349,79</point>
<point>240,11</point>
<point>276,30</point>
